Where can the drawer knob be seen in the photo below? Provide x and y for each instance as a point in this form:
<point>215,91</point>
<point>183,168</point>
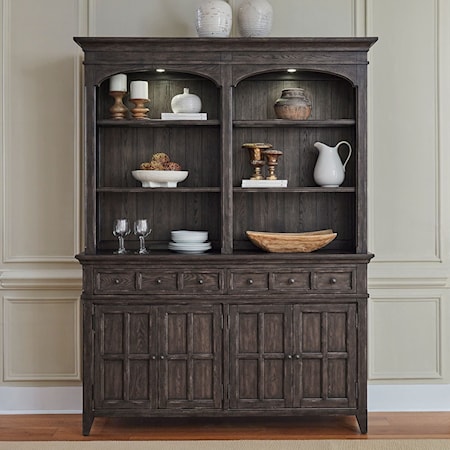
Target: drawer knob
<point>289,356</point>
<point>200,281</point>
<point>153,357</point>
<point>291,281</point>
<point>333,280</point>
<point>297,356</point>
<point>162,357</point>
<point>250,281</point>
<point>117,281</point>
<point>159,281</point>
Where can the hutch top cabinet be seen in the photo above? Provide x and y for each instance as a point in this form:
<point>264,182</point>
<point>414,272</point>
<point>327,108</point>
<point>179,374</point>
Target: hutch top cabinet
<point>234,331</point>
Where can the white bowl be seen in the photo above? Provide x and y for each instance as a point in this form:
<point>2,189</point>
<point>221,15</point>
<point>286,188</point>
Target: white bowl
<point>189,236</point>
<point>160,178</point>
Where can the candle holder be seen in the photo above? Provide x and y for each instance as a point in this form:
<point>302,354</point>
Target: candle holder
<point>256,158</point>
<point>118,110</point>
<point>272,157</point>
<point>139,111</point>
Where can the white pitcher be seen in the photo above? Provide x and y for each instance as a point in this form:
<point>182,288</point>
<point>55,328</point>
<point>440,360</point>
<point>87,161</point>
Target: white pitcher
<point>329,170</point>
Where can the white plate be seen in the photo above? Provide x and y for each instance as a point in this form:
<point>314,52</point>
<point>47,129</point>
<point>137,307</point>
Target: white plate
<point>190,252</point>
<point>190,245</point>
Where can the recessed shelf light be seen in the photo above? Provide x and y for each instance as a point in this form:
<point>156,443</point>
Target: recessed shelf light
<point>292,70</point>
<point>160,70</point>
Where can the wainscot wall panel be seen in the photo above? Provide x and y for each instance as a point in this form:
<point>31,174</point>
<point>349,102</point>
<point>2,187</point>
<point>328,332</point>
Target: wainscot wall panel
<point>406,337</point>
<point>41,134</point>
<point>41,336</point>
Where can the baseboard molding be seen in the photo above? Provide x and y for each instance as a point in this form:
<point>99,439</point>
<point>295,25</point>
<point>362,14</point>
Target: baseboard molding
<point>411,397</point>
<point>41,400</point>
<point>68,400</point>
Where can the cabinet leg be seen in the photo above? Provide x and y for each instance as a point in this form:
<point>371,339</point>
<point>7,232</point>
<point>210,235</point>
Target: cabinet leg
<point>362,421</point>
<point>88,419</point>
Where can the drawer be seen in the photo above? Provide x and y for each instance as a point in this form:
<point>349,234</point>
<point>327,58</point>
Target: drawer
<point>158,281</point>
<point>115,281</point>
<point>201,281</point>
<point>292,280</point>
<point>249,281</point>
<point>334,280</point>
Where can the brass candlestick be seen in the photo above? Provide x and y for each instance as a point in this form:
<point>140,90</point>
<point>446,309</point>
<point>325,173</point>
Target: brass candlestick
<point>272,157</point>
<point>256,158</point>
<point>118,110</point>
<point>139,111</point>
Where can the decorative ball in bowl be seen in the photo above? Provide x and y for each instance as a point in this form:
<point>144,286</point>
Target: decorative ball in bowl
<point>160,178</point>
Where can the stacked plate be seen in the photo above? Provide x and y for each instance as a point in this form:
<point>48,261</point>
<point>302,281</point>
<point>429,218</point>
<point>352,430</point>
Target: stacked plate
<point>189,242</point>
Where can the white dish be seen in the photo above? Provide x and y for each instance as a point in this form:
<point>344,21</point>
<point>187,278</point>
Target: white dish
<point>190,245</point>
<point>190,252</point>
<point>190,248</point>
<point>189,236</point>
<point>160,178</point>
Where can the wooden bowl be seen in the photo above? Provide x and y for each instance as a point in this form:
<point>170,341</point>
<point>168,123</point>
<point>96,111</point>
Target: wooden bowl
<point>291,242</point>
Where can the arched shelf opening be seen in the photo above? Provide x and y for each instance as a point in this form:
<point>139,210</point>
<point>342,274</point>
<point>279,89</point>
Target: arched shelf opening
<point>163,85</point>
<point>333,96</point>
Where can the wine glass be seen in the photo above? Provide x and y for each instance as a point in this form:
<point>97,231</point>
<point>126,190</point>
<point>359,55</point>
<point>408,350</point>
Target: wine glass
<point>142,229</point>
<point>121,229</point>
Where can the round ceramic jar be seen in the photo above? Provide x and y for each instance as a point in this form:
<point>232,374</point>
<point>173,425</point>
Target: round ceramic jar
<point>255,18</point>
<point>293,105</point>
<point>186,103</point>
<point>214,19</point>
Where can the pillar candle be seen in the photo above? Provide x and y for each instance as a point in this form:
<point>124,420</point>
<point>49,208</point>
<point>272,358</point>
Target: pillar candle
<point>139,89</point>
<point>118,83</point>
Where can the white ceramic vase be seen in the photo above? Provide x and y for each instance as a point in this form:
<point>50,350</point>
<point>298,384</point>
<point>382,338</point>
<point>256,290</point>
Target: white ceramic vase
<point>186,103</point>
<point>214,19</point>
<point>255,18</point>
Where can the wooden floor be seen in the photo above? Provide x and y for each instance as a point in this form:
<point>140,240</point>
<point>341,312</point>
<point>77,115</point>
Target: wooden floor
<point>381,426</point>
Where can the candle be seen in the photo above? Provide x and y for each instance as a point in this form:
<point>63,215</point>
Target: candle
<point>139,89</point>
<point>118,83</point>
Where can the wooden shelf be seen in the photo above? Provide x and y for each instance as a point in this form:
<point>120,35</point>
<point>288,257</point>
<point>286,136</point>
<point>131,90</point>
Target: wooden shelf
<point>331,123</point>
<point>177,190</point>
<point>306,190</point>
<point>129,123</point>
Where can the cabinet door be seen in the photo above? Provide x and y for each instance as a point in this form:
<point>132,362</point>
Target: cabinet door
<point>190,358</point>
<point>325,354</point>
<point>259,356</point>
<point>125,363</point>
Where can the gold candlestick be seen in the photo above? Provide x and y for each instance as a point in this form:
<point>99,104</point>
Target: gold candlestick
<point>256,158</point>
<point>139,111</point>
<point>118,110</point>
<point>272,162</point>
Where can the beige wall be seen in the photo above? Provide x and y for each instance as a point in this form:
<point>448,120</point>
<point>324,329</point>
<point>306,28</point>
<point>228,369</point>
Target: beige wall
<point>409,185</point>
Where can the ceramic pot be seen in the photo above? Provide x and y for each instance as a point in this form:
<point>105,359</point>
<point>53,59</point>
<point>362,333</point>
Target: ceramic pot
<point>255,18</point>
<point>293,104</point>
<point>186,103</point>
<point>214,19</point>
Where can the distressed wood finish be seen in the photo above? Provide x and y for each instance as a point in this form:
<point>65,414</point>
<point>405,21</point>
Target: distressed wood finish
<point>236,331</point>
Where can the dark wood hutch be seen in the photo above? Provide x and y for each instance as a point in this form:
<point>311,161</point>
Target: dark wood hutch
<point>234,331</point>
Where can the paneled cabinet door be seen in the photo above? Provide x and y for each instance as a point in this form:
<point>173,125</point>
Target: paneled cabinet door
<point>259,356</point>
<point>325,355</point>
<point>125,357</point>
<point>293,356</point>
<point>190,357</point>
<point>158,356</point>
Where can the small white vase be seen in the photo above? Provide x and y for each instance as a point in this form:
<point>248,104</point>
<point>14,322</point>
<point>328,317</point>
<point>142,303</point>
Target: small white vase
<point>186,103</point>
<point>214,19</point>
<point>255,18</point>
